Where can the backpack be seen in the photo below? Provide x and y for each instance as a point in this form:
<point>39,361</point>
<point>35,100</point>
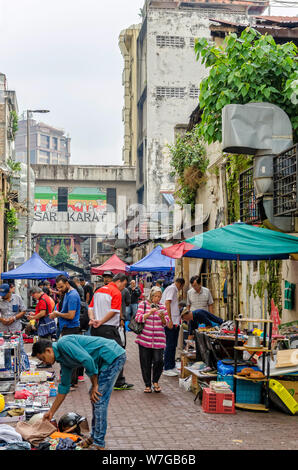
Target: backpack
<point>84,317</point>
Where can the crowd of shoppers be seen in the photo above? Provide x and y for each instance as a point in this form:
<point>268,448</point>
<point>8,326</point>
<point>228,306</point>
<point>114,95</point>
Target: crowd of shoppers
<point>88,325</point>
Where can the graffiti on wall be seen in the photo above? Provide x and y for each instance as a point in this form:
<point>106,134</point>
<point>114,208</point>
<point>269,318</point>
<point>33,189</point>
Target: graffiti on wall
<point>83,204</point>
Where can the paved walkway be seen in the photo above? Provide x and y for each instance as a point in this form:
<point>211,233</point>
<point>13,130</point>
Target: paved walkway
<point>172,421</point>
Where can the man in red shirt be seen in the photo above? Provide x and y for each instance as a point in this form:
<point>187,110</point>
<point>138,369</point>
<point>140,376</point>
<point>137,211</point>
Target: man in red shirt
<point>104,314</point>
<point>45,306</point>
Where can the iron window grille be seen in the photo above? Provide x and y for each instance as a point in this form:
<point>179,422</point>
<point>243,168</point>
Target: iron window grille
<point>285,173</point>
<point>249,210</point>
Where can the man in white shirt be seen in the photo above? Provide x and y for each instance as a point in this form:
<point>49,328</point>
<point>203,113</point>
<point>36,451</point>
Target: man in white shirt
<point>199,297</point>
<point>170,300</point>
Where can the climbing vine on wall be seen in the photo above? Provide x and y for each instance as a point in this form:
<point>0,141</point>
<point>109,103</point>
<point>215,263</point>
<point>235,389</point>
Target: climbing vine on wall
<point>270,282</point>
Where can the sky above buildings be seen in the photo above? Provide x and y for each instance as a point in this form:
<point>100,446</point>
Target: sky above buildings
<point>63,55</point>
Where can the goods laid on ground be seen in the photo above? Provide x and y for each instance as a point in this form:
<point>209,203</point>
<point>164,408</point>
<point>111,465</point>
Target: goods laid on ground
<point>25,394</point>
<point>258,376</point>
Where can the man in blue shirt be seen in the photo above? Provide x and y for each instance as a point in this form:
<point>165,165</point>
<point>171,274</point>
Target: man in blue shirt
<point>69,317</point>
<point>102,358</point>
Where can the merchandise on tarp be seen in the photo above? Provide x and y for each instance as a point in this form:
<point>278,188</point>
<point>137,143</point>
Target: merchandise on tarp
<point>114,264</point>
<point>154,262</point>
<point>34,268</point>
<point>237,241</point>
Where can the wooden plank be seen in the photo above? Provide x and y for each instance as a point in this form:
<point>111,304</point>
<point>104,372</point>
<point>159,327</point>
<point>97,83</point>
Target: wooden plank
<point>254,320</point>
<point>248,348</point>
<point>242,377</point>
<point>251,406</point>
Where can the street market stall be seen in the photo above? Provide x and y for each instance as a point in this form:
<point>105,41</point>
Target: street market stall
<point>34,268</point>
<point>114,264</point>
<point>157,264</point>
<point>240,242</point>
<point>154,262</point>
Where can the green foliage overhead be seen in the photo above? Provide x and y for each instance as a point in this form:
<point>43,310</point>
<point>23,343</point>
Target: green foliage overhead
<point>11,221</point>
<point>249,68</point>
<point>188,159</point>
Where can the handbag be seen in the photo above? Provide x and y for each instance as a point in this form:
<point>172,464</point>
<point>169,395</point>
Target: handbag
<point>46,326</point>
<point>136,326</point>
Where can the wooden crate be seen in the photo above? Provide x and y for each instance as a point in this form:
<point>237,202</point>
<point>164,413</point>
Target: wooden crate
<point>185,360</point>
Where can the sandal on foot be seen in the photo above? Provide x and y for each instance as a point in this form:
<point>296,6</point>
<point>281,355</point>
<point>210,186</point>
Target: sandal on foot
<point>148,390</point>
<point>156,388</point>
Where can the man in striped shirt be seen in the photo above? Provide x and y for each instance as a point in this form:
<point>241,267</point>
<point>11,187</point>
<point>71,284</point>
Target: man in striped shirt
<point>104,313</point>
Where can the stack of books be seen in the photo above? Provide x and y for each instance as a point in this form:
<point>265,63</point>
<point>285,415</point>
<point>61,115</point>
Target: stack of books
<point>220,387</point>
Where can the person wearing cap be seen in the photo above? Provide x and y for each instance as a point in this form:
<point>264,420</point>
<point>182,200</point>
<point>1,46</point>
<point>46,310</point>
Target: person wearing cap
<point>197,317</point>
<point>107,277</point>
<point>12,309</point>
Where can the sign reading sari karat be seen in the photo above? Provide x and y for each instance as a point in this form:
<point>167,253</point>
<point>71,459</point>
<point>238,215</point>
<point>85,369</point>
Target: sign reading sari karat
<point>83,204</point>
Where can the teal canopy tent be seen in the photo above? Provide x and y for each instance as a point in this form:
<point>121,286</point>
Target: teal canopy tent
<point>237,241</point>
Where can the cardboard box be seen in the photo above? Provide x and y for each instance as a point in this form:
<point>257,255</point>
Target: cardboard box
<point>291,386</point>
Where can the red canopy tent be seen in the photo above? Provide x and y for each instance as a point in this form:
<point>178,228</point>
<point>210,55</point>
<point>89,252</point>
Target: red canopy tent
<point>114,264</point>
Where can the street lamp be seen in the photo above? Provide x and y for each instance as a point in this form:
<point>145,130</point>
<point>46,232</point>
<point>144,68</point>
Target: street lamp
<point>28,178</point>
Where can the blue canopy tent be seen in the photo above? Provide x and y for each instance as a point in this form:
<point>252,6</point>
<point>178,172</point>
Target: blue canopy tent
<point>154,262</point>
<point>34,268</point>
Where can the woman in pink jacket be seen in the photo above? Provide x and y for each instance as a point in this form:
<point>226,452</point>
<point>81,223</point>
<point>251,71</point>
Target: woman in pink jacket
<point>152,340</point>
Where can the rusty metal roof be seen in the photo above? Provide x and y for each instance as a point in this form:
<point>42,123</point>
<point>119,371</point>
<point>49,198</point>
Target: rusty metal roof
<point>278,19</point>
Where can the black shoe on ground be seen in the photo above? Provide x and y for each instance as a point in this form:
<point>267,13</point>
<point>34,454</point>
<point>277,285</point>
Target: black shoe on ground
<point>124,387</point>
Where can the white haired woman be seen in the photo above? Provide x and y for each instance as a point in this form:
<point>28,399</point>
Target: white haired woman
<point>152,340</point>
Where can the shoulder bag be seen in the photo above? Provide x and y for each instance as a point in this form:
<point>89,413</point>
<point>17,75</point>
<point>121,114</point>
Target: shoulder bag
<point>46,326</point>
<point>136,326</point>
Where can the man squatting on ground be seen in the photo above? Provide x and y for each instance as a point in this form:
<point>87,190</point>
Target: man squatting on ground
<point>102,359</point>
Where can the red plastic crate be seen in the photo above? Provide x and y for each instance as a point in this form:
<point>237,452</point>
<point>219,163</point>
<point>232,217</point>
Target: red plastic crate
<point>218,402</point>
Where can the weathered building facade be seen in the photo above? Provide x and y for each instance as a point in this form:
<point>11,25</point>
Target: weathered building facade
<point>8,124</point>
<point>80,205</point>
<point>168,81</point>
<point>128,47</point>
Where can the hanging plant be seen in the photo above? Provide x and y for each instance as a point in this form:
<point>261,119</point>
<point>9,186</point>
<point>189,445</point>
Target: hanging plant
<point>189,161</point>
<point>11,221</point>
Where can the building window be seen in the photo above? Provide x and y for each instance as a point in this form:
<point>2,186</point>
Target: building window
<point>55,143</point>
<point>111,199</point>
<point>62,199</point>
<point>192,42</point>
<point>44,157</point>
<point>194,92</point>
<point>170,92</point>
<point>170,41</point>
<point>45,141</point>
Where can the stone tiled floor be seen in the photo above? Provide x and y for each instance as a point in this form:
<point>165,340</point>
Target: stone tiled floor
<point>171,420</point>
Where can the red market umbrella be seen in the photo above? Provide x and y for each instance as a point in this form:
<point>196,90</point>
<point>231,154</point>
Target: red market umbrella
<point>114,264</point>
<point>178,250</point>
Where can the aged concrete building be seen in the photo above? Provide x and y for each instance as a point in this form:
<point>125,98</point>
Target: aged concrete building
<point>8,124</point>
<point>128,47</point>
<point>80,205</point>
<point>48,145</point>
<point>168,80</point>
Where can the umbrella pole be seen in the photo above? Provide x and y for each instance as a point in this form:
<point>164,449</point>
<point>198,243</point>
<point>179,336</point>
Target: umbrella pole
<point>238,288</point>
